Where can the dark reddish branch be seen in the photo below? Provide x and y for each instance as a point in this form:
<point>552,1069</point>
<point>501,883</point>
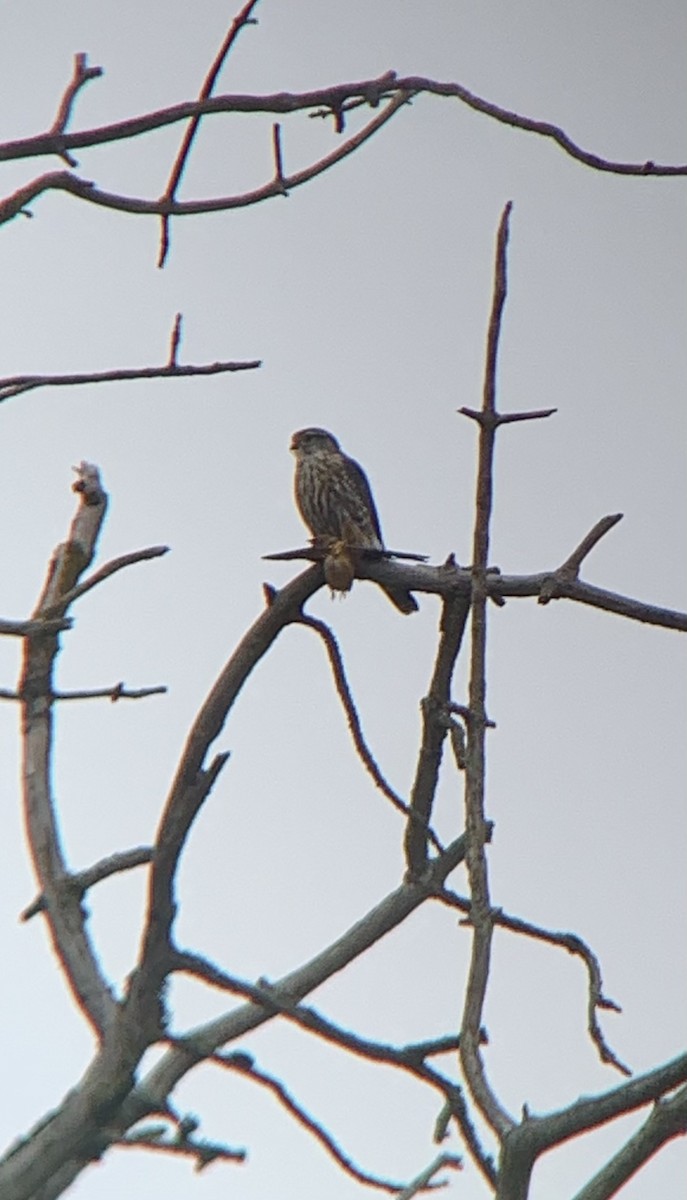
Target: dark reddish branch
<point>574,945</point>
<point>268,1001</point>
<point>242,19</point>
<point>332,100</point>
<point>81,75</point>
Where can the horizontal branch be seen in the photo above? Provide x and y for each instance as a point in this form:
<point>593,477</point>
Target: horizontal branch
<point>118,692</point>
<point>15,385</point>
<point>85,189</point>
<point>332,99</point>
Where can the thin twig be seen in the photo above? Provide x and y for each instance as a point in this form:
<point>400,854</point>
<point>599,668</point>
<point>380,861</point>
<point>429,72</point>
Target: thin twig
<point>574,945</point>
<point>244,1064</point>
<point>475,824</point>
<point>14,385</point>
<point>77,956</point>
<point>365,554</point>
<point>242,19</point>
<point>278,157</point>
<point>85,189</point>
<point>569,570</point>
<point>364,752</point>
<point>118,692</point>
<point>278,1000</point>
<point>155,1137</point>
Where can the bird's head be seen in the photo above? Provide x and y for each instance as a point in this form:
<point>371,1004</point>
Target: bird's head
<point>309,441</point>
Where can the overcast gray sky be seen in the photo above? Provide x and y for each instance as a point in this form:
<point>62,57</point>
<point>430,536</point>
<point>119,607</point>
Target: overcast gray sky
<point>366,294</point>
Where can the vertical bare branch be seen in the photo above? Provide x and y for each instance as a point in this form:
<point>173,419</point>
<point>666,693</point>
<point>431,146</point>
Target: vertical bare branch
<point>240,20</point>
<point>62,903</point>
<point>475,825</point>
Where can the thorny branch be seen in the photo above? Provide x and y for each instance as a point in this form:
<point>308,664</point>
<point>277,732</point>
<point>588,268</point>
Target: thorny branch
<point>244,1064</point>
<point>477,723</point>
<point>64,181</point>
<point>80,77</point>
<point>449,580</point>
<point>574,945</point>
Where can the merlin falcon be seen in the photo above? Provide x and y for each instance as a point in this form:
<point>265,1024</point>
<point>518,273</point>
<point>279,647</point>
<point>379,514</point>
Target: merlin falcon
<point>334,499</point>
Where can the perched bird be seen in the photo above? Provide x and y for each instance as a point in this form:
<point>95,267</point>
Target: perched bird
<point>334,499</point>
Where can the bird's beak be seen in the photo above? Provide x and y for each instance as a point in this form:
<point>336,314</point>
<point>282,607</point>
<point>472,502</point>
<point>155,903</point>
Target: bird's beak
<point>293,445</point>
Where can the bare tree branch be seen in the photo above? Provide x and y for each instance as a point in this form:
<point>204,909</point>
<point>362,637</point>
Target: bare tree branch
<point>80,77</point>
<point>156,1137</point>
<point>31,628</point>
<point>242,19</point>
<point>280,1000</point>
<point>575,946</point>
<point>475,824</point>
<point>332,100</point>
<point>245,1065</point>
<point>422,1182</point>
<point>667,1120</point>
<point>64,181</point>
<point>77,956</point>
<point>541,1133</point>
<point>448,580</point>
<point>14,385</point>
<point>109,568</point>
<point>364,752</point>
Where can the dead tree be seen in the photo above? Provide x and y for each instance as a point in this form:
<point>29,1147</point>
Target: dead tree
<point>113,1105</point>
